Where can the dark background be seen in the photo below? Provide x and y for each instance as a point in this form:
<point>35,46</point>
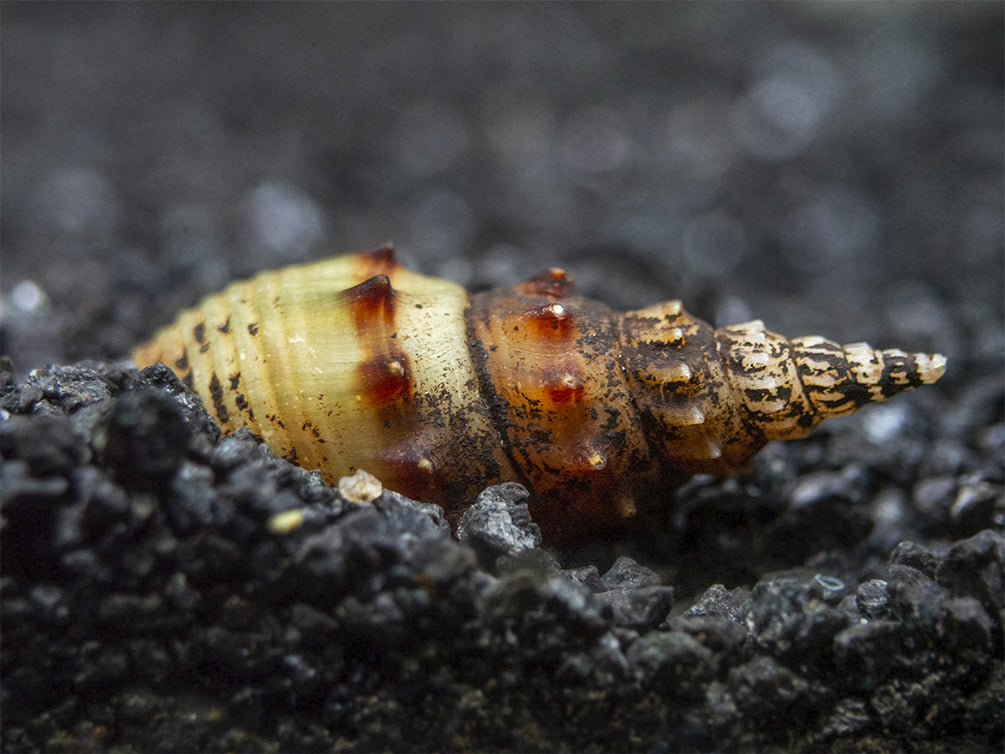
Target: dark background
<point>832,169</point>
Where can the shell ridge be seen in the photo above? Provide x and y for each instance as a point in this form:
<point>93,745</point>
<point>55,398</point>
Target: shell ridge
<point>811,417</point>
<point>781,418</point>
<point>215,354</point>
<point>635,420</point>
<point>297,319</point>
<point>246,359</point>
<point>272,338</point>
<point>497,412</point>
<point>753,437</point>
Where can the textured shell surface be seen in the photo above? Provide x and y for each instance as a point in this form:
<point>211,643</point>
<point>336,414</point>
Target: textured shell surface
<point>356,362</point>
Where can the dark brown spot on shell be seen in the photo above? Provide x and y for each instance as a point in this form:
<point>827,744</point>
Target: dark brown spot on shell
<point>182,364</point>
<point>550,321</point>
<point>564,386</point>
<point>216,394</point>
<point>225,327</point>
<point>554,282</point>
<point>385,380</point>
<point>385,372</point>
<point>242,405</point>
<point>253,329</point>
<point>199,333</point>
<point>370,302</point>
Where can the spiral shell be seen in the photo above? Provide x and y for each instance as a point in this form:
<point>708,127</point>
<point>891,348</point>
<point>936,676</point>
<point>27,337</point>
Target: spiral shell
<point>356,362</point>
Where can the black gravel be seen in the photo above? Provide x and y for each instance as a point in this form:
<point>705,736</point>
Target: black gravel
<point>833,169</point>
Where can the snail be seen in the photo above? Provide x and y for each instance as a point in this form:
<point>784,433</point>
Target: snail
<point>357,362</point>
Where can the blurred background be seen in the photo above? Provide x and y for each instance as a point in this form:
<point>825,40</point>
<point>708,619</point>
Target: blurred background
<point>831,168</point>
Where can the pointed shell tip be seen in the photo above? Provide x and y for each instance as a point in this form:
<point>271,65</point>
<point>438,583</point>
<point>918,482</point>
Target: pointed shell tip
<point>931,367</point>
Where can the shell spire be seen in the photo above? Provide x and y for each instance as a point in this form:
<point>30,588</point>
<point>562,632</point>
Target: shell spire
<point>711,398</point>
<point>787,387</point>
<point>840,379</point>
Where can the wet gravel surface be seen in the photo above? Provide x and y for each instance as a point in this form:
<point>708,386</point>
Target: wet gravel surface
<point>831,169</point>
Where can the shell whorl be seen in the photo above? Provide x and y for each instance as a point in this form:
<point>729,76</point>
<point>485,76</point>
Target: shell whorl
<point>356,362</point>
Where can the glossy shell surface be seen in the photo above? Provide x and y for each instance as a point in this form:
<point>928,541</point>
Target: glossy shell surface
<point>358,363</point>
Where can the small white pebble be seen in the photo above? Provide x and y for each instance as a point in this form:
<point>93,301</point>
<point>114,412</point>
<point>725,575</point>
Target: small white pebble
<point>361,487</point>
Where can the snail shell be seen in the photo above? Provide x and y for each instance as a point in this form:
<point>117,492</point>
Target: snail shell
<point>356,362</point>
